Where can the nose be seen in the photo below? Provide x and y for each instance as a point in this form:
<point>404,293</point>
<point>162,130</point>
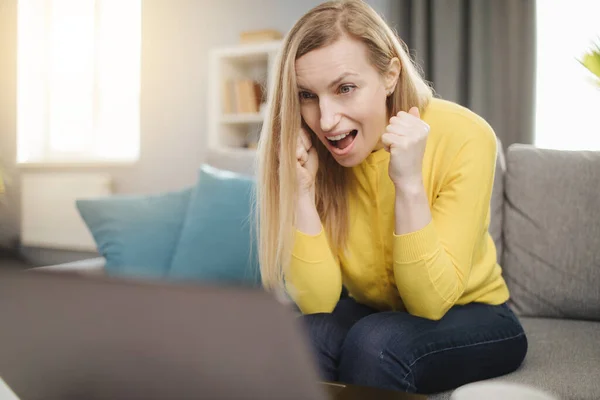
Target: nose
<point>329,115</point>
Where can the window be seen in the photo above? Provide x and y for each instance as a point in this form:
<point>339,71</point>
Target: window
<point>568,101</point>
<point>78,81</point>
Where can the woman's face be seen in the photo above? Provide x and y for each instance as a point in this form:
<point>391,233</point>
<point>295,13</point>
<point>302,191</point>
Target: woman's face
<point>343,99</point>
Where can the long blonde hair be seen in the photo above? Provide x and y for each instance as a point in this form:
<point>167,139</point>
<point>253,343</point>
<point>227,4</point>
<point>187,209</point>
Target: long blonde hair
<point>276,161</point>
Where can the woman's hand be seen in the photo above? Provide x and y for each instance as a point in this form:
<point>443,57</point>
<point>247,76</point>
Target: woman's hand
<point>405,138</point>
<point>307,164</point>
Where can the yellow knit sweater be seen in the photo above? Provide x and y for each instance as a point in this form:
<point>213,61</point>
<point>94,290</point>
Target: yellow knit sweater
<point>450,261</point>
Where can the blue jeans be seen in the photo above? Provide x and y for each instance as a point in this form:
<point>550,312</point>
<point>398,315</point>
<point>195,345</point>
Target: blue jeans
<point>356,344</point>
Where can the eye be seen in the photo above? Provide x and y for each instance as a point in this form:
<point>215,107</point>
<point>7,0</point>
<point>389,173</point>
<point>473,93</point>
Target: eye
<point>304,95</point>
<point>345,89</point>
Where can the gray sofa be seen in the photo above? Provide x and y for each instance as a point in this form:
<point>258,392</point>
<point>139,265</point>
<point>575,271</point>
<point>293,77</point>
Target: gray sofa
<point>546,226</point>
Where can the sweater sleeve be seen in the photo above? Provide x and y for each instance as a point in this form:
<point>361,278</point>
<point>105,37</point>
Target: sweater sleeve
<point>432,265</point>
<point>314,278</point>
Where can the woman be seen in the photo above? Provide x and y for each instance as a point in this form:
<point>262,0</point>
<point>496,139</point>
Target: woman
<point>366,181</point>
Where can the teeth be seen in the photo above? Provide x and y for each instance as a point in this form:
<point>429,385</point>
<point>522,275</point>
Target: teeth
<point>338,137</point>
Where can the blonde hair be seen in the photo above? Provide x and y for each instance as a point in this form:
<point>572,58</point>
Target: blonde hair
<point>276,161</point>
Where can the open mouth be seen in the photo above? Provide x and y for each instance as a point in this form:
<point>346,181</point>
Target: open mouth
<point>344,140</point>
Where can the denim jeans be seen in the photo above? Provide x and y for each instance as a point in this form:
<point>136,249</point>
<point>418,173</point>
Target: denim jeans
<point>356,344</point>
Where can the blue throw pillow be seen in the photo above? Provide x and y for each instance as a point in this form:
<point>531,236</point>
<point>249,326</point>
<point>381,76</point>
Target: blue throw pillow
<point>216,242</point>
<point>136,234</point>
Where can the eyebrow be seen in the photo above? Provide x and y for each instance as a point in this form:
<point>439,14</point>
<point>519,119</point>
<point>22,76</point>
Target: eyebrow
<point>336,81</point>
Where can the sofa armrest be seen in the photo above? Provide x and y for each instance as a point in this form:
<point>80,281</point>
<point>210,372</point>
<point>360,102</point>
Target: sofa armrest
<point>92,266</point>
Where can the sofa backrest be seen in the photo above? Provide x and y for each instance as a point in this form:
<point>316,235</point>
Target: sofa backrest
<point>551,229</point>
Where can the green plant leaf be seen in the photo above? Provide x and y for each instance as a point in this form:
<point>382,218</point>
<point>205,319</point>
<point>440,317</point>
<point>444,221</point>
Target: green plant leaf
<point>592,62</point>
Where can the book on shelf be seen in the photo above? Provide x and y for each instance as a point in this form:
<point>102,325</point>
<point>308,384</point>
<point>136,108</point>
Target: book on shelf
<point>242,96</point>
<point>263,35</point>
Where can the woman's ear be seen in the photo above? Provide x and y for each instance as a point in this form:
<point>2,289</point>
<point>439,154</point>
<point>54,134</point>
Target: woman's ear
<point>392,75</point>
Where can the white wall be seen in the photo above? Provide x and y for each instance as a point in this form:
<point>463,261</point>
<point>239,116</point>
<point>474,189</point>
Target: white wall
<point>176,38</point>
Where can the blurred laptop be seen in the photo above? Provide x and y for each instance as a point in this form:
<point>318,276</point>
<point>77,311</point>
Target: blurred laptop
<point>73,337</point>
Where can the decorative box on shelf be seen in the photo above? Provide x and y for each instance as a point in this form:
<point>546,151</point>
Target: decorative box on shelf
<point>239,77</point>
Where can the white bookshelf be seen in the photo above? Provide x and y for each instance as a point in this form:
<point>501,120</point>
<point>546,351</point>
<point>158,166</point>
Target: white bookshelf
<point>245,118</point>
<point>231,133</point>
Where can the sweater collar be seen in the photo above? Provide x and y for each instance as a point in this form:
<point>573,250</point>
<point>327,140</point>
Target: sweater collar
<point>377,156</point>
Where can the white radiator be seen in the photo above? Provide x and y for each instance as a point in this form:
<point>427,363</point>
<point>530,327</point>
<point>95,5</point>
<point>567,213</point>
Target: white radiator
<point>49,217</point>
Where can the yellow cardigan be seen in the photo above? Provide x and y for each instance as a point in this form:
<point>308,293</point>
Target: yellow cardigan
<point>450,261</point>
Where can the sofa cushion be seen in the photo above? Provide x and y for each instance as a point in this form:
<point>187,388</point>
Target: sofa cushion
<point>552,232</point>
<point>86,267</point>
<point>562,359</point>
<point>137,234</point>
<point>216,242</point>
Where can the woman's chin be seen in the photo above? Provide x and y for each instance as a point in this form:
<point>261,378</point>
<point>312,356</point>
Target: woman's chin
<point>349,160</point>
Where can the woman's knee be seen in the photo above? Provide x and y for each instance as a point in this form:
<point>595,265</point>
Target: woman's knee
<point>400,351</point>
<point>327,331</point>
<point>378,352</point>
<point>326,334</point>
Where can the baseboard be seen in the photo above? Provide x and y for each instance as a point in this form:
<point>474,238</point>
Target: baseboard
<point>9,253</point>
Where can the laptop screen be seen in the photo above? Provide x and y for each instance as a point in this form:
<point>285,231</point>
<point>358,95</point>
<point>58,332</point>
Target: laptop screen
<point>74,337</point>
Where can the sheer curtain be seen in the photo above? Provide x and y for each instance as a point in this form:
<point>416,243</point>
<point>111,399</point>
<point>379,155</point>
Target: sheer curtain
<point>78,80</point>
<point>568,102</point>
